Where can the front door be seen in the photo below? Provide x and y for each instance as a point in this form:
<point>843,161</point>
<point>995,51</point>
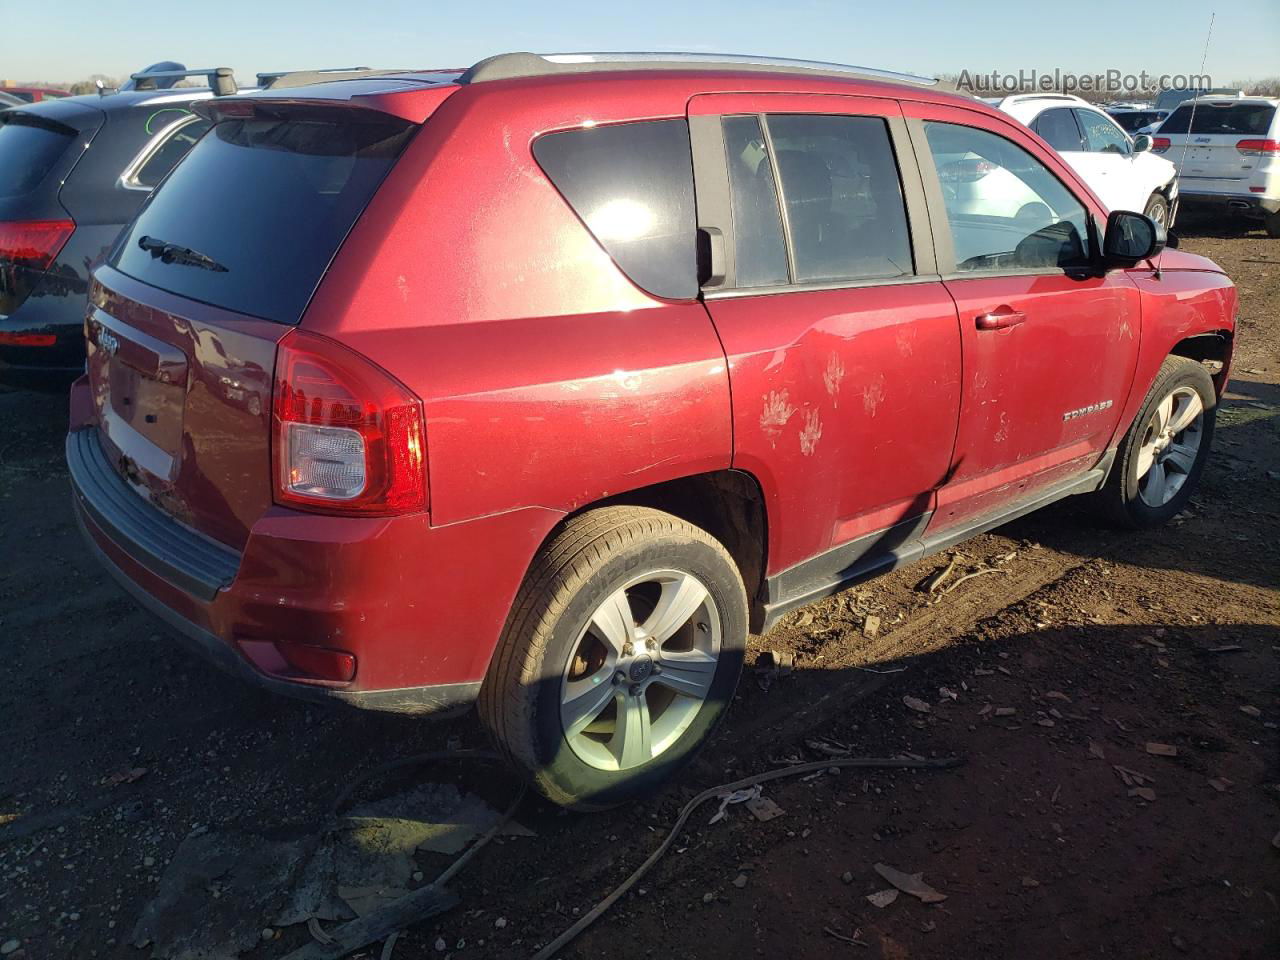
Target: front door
<point>1049,342</point>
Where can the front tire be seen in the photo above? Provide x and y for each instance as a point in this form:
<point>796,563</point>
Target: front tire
<point>620,657</point>
<point>1161,457</point>
<point>1157,209</point>
<point>1272,224</point>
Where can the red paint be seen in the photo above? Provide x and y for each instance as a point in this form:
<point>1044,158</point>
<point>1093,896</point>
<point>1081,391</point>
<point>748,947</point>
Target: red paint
<point>549,382</point>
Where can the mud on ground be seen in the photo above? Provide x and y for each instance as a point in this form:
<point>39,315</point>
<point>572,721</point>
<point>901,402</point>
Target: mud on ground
<point>1061,835</point>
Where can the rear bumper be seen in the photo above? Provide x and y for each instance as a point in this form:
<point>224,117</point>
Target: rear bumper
<point>232,607</point>
<point>1238,204</point>
<point>439,699</point>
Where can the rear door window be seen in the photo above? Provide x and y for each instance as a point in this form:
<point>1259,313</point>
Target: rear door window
<point>1233,120</point>
<point>760,251</point>
<point>1101,134</point>
<point>28,150</point>
<point>1058,127</point>
<point>632,185</point>
<point>842,196</point>
<point>252,217</point>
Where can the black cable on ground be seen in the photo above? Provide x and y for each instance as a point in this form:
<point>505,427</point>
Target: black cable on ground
<point>549,951</point>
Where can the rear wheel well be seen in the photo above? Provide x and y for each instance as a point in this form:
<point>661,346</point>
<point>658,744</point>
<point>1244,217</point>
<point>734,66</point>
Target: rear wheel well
<point>728,504</point>
<point>1211,349</point>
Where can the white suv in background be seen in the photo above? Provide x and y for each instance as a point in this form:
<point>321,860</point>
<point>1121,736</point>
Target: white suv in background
<point>1227,155</point>
<point>1121,171</point>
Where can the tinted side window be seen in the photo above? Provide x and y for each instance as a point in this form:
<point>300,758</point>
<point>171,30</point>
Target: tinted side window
<point>1006,210</point>
<point>842,196</point>
<point>1101,135</point>
<point>760,251</point>
<point>1058,127</point>
<point>632,185</point>
<point>166,156</point>
<point>28,151</point>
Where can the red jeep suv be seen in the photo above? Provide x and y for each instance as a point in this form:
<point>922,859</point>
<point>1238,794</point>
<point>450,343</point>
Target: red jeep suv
<point>540,384</point>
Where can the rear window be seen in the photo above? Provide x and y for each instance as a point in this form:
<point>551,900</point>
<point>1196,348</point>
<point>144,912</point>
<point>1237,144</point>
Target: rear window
<point>28,150</point>
<point>250,220</point>
<point>632,185</point>
<point>1236,120</point>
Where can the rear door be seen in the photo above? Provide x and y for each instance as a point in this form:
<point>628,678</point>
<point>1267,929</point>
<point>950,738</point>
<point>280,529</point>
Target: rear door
<point>1218,145</point>
<point>218,266</point>
<point>1049,344</point>
<point>843,350</point>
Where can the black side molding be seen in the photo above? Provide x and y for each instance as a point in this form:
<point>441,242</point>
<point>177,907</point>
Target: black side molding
<point>171,551</point>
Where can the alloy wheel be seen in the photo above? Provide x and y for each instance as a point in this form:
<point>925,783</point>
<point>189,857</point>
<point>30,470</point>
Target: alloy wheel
<point>1170,446</point>
<point>640,671</point>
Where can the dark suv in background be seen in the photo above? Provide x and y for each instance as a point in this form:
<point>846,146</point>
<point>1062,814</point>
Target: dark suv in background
<point>73,171</point>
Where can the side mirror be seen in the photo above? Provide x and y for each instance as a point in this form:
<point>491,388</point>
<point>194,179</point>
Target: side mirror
<point>1141,143</point>
<point>1130,238</point>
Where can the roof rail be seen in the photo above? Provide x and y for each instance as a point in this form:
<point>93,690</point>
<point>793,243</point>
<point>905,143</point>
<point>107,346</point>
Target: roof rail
<point>221,80</point>
<point>298,78</point>
<point>507,66</point>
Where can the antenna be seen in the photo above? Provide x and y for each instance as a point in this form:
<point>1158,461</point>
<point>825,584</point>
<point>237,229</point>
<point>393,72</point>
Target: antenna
<point>1191,121</point>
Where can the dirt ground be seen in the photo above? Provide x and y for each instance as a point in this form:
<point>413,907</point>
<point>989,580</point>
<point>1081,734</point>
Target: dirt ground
<point>115,744</point>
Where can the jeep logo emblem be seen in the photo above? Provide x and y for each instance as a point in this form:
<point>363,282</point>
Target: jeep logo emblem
<point>108,342</point>
<point>640,668</point>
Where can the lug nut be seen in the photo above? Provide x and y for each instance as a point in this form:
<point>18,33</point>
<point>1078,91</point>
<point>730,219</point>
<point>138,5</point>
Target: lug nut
<point>628,648</point>
<point>635,689</point>
<point>619,678</point>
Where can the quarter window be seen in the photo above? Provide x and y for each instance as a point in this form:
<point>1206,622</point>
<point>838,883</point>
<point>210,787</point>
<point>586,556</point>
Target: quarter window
<point>167,154</point>
<point>760,258</point>
<point>843,199</point>
<point>1101,135</point>
<point>1006,210</point>
<point>632,185</point>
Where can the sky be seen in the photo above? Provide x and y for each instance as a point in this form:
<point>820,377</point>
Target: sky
<point>1084,36</point>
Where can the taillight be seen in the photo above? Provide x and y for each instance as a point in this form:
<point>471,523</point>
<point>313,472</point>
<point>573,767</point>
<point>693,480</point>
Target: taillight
<point>28,339</point>
<point>348,436</point>
<point>1259,148</point>
<point>34,243</point>
<point>1160,144</point>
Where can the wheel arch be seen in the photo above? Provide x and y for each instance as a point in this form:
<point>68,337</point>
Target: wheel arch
<point>728,504</point>
<point>1213,349</point>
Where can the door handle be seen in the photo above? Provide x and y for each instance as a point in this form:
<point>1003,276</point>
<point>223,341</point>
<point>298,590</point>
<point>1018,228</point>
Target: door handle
<point>1000,318</point>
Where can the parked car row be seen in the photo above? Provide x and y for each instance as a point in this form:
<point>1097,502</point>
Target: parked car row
<point>538,384</point>
<point>73,172</point>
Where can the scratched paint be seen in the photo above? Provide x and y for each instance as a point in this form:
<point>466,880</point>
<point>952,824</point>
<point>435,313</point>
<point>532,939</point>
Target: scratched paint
<point>811,433</point>
<point>831,378</point>
<point>872,394</point>
<point>1002,434</point>
<point>777,411</point>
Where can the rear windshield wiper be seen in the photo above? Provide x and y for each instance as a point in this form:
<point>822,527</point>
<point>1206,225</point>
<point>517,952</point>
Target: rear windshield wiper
<point>183,256</point>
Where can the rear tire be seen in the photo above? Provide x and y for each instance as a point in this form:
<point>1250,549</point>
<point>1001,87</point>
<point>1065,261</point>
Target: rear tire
<point>1161,457</point>
<point>619,658</point>
<point>1157,209</point>
<point>1272,224</point>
